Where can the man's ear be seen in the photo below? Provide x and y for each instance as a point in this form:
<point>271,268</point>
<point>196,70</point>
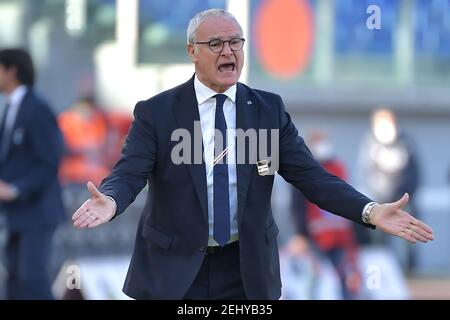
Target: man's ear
<point>191,52</point>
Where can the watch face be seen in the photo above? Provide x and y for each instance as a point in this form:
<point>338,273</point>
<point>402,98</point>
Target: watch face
<point>365,218</point>
<point>366,214</point>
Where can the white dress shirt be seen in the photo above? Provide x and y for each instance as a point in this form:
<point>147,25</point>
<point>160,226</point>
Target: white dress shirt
<point>207,111</point>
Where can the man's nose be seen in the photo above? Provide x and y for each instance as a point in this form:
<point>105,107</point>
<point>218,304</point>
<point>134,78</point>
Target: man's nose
<point>226,50</point>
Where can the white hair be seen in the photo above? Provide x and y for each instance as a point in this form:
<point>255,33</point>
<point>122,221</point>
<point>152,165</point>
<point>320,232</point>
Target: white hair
<point>197,20</point>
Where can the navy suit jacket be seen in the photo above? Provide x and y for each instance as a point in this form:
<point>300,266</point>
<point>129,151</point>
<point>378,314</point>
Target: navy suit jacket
<point>31,164</point>
<point>173,229</point>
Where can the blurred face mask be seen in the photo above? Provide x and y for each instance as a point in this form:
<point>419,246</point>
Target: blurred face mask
<point>385,131</point>
<point>384,126</point>
<point>322,150</point>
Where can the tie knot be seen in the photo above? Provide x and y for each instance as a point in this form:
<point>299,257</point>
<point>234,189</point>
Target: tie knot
<point>220,99</point>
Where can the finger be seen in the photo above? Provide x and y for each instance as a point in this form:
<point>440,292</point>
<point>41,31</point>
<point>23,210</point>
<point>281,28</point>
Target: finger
<point>424,227</point>
<point>84,208</point>
<point>93,190</point>
<point>416,235</point>
<point>422,232</point>
<point>91,218</point>
<point>403,201</point>
<point>95,223</point>
<point>79,222</point>
<point>407,237</point>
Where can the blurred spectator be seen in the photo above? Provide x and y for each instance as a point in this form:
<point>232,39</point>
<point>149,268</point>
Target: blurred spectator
<point>86,132</point>
<point>119,124</point>
<point>93,139</point>
<point>388,160</point>
<point>31,147</point>
<point>388,165</point>
<point>328,234</point>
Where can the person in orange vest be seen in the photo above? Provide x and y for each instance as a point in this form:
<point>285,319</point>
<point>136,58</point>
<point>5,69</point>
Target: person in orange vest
<point>85,128</point>
<point>323,232</point>
<point>119,123</point>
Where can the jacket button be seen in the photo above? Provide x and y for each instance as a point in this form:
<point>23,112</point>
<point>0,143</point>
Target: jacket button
<point>202,249</point>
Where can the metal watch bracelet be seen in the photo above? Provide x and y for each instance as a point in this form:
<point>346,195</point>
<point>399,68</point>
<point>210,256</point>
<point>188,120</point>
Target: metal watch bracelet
<point>366,214</point>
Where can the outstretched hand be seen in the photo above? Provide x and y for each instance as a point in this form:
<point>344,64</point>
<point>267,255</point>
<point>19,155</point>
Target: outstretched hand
<point>390,218</point>
<point>95,211</point>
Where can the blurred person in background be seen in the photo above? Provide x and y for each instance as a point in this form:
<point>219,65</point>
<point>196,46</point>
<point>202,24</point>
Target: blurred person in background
<point>85,127</point>
<point>209,232</point>
<point>31,147</point>
<point>322,232</point>
<point>389,167</point>
<point>93,140</point>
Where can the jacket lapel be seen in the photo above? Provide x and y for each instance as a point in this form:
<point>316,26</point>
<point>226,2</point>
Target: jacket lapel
<point>186,113</point>
<point>246,118</point>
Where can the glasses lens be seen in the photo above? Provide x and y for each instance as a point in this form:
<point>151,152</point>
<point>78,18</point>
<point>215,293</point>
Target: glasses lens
<point>216,45</point>
<point>236,44</point>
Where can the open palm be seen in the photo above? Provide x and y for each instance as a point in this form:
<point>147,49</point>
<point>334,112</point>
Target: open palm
<point>392,219</point>
<point>95,211</point>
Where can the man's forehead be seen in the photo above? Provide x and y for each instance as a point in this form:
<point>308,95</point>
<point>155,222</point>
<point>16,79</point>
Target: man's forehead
<point>224,37</point>
<point>216,27</point>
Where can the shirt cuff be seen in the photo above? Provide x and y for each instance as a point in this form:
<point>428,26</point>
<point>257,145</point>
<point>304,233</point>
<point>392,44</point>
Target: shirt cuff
<point>115,204</point>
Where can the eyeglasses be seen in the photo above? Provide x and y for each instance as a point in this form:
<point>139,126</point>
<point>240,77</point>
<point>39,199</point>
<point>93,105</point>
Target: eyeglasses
<point>216,45</point>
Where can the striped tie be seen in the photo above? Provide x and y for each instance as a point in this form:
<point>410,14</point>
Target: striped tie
<point>220,172</point>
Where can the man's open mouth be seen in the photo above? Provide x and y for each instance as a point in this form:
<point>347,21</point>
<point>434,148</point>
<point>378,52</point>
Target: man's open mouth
<point>226,67</point>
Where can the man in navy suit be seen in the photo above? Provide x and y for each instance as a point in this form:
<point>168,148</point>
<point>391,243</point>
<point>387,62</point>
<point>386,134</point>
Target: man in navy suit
<point>31,147</point>
<point>208,231</point>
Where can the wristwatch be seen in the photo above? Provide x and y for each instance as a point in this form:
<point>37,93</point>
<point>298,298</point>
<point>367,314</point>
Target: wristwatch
<point>366,213</point>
